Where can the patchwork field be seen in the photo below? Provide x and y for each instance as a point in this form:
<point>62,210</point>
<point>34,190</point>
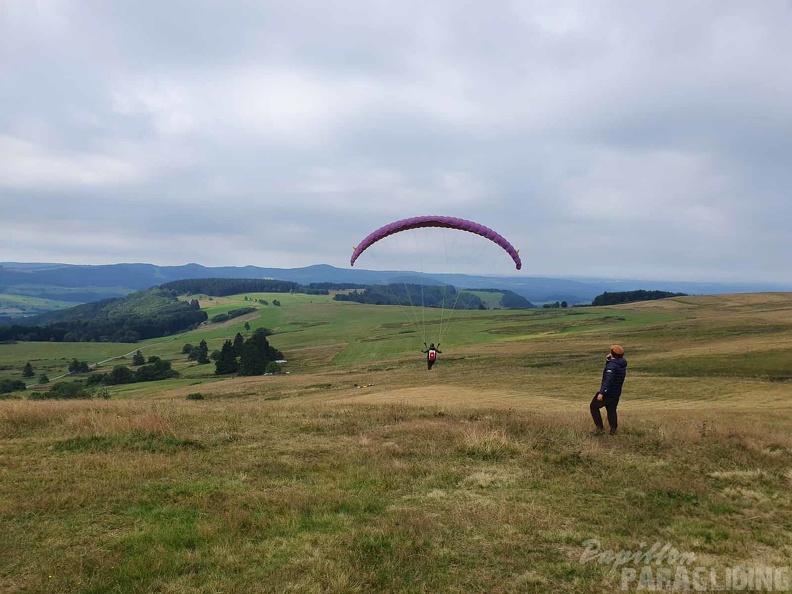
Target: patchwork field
<point>360,471</point>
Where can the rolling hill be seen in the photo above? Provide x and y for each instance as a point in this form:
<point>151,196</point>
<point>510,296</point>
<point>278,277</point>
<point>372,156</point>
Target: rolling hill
<point>84,283</point>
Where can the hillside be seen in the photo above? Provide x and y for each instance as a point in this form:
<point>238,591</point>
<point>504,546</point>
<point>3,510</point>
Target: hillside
<point>146,314</point>
<point>80,284</point>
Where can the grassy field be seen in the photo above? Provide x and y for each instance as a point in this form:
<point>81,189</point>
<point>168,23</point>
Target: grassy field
<point>360,471</point>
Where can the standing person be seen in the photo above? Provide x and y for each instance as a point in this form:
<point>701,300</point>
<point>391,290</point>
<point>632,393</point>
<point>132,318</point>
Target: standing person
<point>610,391</point>
<point>431,354</point>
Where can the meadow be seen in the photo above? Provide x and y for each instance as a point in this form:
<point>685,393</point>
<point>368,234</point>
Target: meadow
<point>361,471</point>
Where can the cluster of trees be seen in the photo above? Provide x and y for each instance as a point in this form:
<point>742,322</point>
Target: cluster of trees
<point>147,314</point>
<point>254,356</point>
<point>198,353</point>
<point>408,294</point>
<point>28,371</point>
<point>234,313</point>
<point>157,369</point>
<point>79,366</point>
<point>263,301</point>
<point>325,288</point>
<point>7,386</point>
<point>556,305</point>
<point>630,296</point>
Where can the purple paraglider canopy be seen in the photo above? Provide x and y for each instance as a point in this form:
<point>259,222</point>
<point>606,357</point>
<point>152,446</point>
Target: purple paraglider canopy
<point>436,221</point>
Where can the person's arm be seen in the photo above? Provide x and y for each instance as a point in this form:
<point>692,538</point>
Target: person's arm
<point>607,377</point>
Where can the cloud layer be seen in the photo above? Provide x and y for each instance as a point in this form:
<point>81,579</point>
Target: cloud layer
<point>614,139</point>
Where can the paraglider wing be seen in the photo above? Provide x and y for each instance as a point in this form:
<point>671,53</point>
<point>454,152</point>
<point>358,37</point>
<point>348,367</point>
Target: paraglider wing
<point>436,221</point>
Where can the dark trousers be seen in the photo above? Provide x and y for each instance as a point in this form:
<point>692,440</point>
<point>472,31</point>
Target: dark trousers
<point>429,363</point>
<point>610,405</point>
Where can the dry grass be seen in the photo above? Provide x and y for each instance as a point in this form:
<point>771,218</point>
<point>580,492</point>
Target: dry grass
<point>340,497</point>
<point>481,476</point>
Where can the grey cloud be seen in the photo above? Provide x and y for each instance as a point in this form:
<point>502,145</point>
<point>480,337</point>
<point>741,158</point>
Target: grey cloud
<point>610,138</point>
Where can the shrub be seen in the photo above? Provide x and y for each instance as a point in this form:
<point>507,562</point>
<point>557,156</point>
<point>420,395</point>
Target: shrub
<point>7,386</point>
<point>273,367</point>
<point>121,374</point>
<point>159,370</point>
<point>195,396</point>
<point>234,313</point>
<point>64,391</point>
<point>79,366</point>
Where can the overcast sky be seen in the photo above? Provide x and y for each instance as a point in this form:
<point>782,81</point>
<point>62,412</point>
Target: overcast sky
<point>621,139</point>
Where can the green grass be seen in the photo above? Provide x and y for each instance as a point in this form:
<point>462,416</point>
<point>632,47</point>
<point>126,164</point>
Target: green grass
<point>371,333</point>
<point>772,364</point>
<point>53,358</point>
<point>364,333</point>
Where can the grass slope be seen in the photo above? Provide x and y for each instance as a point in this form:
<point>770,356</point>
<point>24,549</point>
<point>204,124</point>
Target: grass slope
<point>480,476</point>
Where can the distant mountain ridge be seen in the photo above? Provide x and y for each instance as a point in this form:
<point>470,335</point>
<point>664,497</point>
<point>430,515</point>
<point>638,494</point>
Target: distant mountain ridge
<point>84,283</point>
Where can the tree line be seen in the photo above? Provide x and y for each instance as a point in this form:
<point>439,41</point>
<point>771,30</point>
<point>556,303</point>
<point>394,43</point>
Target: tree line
<point>222,287</point>
<point>234,313</point>
<point>444,296</point>
<point>156,369</point>
<point>630,296</point>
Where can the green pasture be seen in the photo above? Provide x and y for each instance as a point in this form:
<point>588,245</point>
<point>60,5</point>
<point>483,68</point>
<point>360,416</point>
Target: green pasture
<point>362,332</point>
<point>53,358</point>
<point>371,332</point>
<point>773,364</point>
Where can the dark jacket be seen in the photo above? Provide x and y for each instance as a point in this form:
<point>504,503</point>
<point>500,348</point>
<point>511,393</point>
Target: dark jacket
<point>613,378</point>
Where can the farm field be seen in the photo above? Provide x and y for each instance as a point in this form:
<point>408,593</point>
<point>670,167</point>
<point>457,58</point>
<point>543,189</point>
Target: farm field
<point>360,471</point>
